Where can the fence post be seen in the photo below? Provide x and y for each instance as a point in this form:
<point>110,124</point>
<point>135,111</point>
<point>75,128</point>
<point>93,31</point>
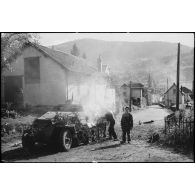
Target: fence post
<point>165,126</point>
<point>190,128</point>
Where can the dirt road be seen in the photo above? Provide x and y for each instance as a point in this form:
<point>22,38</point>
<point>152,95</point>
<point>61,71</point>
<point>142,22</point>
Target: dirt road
<point>109,151</point>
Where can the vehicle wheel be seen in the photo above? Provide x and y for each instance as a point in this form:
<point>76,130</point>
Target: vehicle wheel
<point>65,140</point>
<point>28,142</point>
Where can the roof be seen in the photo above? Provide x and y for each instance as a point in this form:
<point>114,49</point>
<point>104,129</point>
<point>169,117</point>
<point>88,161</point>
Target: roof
<point>186,90</point>
<point>67,61</point>
<point>172,87</point>
<point>137,85</point>
<point>133,85</point>
<point>124,85</point>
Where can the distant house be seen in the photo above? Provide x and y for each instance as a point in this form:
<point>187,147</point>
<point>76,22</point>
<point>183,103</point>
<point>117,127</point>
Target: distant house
<point>187,93</point>
<point>136,93</point>
<point>43,76</point>
<point>169,98</point>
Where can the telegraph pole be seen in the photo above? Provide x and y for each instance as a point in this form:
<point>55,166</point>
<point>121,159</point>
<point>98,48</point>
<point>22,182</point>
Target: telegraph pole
<point>178,71</point>
<point>193,74</point>
<point>167,91</point>
<point>130,96</point>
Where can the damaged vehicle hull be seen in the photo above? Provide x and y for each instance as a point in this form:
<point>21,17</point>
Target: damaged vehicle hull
<point>62,129</point>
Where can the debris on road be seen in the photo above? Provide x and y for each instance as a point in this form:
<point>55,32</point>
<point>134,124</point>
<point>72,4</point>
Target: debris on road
<point>148,122</point>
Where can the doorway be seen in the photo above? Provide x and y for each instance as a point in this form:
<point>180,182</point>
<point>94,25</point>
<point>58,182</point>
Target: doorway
<point>13,89</point>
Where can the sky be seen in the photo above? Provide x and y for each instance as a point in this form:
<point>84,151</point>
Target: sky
<point>49,39</point>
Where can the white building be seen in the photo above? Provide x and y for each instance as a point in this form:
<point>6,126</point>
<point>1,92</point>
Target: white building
<point>169,98</point>
<point>136,93</point>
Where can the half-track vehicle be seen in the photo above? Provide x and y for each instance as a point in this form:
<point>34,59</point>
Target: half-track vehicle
<point>64,129</point>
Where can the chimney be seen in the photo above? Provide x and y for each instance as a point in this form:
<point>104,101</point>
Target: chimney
<point>99,64</point>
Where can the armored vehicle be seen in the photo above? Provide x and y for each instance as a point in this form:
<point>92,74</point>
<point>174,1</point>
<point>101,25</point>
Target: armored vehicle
<point>64,129</point>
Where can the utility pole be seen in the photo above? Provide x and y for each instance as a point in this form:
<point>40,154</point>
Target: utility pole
<point>130,96</point>
<point>178,71</point>
<point>193,71</point>
<point>167,91</point>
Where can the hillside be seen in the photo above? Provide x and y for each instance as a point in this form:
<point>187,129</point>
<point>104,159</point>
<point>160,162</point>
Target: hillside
<point>137,59</point>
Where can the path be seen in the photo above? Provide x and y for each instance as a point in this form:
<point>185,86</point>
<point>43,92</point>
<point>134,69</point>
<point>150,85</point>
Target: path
<point>155,113</point>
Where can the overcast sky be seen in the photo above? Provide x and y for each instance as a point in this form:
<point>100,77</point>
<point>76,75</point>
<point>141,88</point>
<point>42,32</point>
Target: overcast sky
<point>56,38</point>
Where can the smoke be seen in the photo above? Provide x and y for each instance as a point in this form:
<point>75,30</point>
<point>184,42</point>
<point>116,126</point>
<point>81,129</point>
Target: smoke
<point>97,97</point>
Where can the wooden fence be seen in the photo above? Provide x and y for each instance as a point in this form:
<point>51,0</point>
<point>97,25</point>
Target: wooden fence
<point>179,125</point>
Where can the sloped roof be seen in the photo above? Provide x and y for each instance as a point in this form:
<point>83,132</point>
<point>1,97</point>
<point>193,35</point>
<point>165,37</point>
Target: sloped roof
<point>68,61</point>
<point>186,90</point>
<point>124,85</point>
<point>133,85</point>
<point>172,87</point>
<point>137,85</point>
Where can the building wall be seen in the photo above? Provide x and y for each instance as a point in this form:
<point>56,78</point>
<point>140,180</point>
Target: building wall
<point>52,87</point>
<point>170,97</point>
<point>78,86</point>
<point>136,93</point>
<point>125,94</point>
<point>90,91</point>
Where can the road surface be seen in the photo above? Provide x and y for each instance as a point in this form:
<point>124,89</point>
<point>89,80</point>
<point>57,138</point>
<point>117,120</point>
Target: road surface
<point>155,113</point>
<point>109,151</point>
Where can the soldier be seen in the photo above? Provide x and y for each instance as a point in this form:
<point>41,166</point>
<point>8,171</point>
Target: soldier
<point>111,122</point>
<point>126,125</point>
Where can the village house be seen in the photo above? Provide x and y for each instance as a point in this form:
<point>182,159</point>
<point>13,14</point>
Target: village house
<point>43,76</point>
<point>187,94</point>
<point>136,94</point>
<point>169,98</point>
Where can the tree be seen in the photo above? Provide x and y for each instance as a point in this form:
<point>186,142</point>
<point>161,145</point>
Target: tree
<point>75,51</point>
<point>12,45</point>
<point>84,56</point>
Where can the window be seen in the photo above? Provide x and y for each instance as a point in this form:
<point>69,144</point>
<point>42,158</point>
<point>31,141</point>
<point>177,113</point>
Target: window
<point>32,70</point>
<point>174,91</point>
